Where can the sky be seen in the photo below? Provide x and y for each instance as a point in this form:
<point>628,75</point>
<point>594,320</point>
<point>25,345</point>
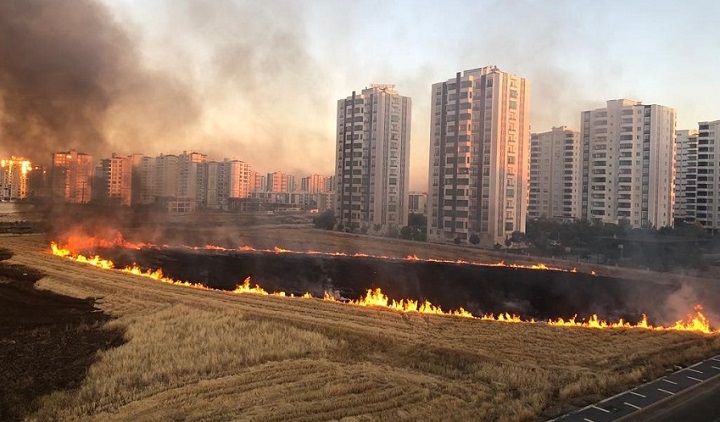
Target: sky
<point>259,80</point>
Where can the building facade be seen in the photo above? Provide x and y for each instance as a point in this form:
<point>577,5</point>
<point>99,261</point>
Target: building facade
<point>555,159</point>
<point>628,166</point>
<point>479,156</point>
<point>14,178</point>
<point>686,161</point>
<point>707,207</point>
<point>417,203</point>
<point>372,158</point>
<point>71,176</point>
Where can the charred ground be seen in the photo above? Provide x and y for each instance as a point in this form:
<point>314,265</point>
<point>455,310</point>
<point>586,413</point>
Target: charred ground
<point>481,289</point>
<point>47,341</point>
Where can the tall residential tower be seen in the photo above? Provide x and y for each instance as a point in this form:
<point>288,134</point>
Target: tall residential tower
<point>372,158</point>
<point>555,159</point>
<point>479,155</point>
<point>628,163</point>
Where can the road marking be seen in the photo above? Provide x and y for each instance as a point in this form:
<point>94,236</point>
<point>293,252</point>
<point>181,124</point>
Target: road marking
<point>693,378</point>
<point>671,382</point>
<point>715,367</point>
<point>632,405</point>
<point>637,394</point>
<point>588,420</point>
<point>695,370</point>
<point>715,359</point>
<point>666,391</point>
<point>600,408</point>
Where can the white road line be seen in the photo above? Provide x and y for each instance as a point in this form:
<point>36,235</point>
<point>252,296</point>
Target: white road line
<point>715,367</point>
<point>692,378</point>
<point>666,391</point>
<point>600,408</point>
<point>632,405</point>
<point>695,370</point>
<point>588,420</point>
<point>671,382</point>
<point>715,359</point>
<point>637,394</point>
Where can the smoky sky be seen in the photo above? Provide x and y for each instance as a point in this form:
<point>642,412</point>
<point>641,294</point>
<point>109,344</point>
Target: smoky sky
<point>259,80</point>
<point>70,77</point>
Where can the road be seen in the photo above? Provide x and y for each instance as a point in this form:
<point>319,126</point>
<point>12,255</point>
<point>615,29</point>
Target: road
<point>701,404</point>
<point>690,394</point>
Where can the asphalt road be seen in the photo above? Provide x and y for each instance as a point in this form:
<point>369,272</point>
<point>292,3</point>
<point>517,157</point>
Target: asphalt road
<point>701,404</point>
<point>690,394</point>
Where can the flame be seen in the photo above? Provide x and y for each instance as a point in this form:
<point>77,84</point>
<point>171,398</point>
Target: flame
<point>696,322</point>
<point>377,298</point>
<point>78,243</point>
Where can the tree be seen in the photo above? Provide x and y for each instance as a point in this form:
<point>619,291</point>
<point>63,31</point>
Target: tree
<point>474,239</point>
<point>406,233</point>
<point>417,220</point>
<point>457,240</point>
<point>393,231</point>
<point>326,220</point>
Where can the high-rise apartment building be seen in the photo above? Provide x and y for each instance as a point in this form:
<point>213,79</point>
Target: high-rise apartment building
<point>628,163</point>
<point>239,172</point>
<point>278,182</point>
<point>313,184</point>
<point>119,179</point>
<point>417,203</point>
<point>372,158</point>
<point>14,177</point>
<point>144,184</point>
<point>686,160</point>
<point>479,156</point>
<point>72,172</point>
<point>166,177</point>
<point>555,159</point>
<point>707,207</point>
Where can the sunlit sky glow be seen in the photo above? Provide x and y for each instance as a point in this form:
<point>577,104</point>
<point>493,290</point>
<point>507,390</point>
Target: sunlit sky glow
<point>267,74</point>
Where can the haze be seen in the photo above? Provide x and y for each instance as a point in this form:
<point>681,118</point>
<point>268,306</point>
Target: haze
<point>258,81</point>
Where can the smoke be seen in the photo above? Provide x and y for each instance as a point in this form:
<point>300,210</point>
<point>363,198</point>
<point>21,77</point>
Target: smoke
<point>71,77</point>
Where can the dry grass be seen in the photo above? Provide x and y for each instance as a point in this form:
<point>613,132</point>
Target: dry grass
<point>204,355</point>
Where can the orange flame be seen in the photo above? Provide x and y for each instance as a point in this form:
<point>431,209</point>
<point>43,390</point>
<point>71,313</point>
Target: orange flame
<point>376,298</point>
<point>76,243</point>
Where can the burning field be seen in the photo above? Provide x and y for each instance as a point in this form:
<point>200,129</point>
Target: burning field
<point>502,292</point>
<point>276,335</point>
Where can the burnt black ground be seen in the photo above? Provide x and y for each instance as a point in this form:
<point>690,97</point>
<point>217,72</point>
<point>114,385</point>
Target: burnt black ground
<point>539,294</point>
<point>47,341</point>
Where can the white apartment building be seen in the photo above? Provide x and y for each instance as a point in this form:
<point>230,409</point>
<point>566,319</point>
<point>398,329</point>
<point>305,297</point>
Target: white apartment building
<point>417,203</point>
<point>628,163</point>
<point>239,182</point>
<point>119,178</point>
<point>555,159</point>
<point>372,158</point>
<point>479,156</point>
<point>707,207</point>
<point>686,160</point>
<point>166,176</point>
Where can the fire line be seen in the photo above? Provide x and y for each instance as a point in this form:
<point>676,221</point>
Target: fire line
<point>696,322</point>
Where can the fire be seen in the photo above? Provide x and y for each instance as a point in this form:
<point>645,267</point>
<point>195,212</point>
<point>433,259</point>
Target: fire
<point>77,243</point>
<point>377,298</point>
<point>696,322</point>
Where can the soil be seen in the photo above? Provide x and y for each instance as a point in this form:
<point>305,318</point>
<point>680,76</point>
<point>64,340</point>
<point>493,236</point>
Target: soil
<point>47,341</point>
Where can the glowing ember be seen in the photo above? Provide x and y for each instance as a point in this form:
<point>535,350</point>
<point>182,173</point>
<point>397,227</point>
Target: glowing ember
<point>696,322</point>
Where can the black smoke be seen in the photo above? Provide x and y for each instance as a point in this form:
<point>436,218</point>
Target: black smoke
<point>71,77</point>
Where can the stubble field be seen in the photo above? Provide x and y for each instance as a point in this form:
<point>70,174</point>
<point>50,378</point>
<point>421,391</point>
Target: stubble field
<point>209,355</point>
